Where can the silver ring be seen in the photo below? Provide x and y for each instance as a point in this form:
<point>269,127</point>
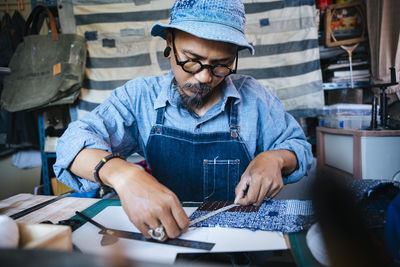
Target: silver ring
<point>160,233</point>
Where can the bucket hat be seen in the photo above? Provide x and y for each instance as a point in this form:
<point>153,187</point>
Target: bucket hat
<point>218,20</point>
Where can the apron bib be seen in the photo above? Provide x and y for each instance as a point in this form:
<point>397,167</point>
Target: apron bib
<point>198,167</point>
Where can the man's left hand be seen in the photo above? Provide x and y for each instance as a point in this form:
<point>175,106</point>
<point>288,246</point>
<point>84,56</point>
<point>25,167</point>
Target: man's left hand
<point>263,176</point>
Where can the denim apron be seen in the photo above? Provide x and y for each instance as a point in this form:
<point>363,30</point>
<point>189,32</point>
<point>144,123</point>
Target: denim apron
<point>198,167</point>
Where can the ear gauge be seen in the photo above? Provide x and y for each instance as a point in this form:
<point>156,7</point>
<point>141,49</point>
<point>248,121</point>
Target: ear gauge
<point>167,51</point>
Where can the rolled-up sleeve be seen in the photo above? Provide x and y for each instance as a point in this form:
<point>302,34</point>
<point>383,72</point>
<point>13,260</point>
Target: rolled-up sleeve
<point>281,131</point>
<point>111,126</point>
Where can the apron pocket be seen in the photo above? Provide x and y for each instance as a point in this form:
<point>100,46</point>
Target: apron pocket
<point>220,178</point>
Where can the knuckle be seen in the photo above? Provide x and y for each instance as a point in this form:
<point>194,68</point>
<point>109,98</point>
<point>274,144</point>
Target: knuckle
<point>171,198</point>
<point>174,234</point>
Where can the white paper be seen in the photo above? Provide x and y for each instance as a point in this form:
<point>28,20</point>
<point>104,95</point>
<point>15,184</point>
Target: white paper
<point>88,240</point>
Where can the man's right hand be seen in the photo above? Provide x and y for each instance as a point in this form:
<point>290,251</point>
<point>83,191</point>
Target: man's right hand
<point>148,203</point>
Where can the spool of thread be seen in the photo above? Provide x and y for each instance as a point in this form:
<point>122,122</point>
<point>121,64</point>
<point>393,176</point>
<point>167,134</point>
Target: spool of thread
<point>9,234</point>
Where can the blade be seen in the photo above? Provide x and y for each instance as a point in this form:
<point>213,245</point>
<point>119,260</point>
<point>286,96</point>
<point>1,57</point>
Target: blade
<point>212,213</point>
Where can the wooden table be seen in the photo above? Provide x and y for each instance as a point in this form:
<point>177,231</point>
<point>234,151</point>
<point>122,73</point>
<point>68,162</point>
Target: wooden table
<point>60,210</point>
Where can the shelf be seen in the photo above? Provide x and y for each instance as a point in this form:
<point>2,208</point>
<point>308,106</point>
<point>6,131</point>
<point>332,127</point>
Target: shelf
<point>344,85</point>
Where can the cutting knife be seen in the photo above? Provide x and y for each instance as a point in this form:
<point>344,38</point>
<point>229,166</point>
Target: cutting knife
<point>212,213</point>
<point>215,212</point>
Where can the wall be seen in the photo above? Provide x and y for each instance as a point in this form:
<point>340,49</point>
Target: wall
<point>14,180</point>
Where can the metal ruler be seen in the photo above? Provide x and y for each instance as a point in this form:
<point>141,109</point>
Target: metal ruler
<point>173,242</point>
<point>111,236</point>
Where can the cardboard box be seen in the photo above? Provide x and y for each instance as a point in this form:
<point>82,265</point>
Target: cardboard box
<point>45,236</point>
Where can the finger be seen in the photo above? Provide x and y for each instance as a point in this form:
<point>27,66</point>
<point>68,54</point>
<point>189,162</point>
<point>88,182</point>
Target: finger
<point>148,222</point>
<point>180,216</point>
<point>170,225</point>
<point>241,188</point>
<point>143,228</point>
<point>252,192</point>
<point>265,188</point>
<point>152,223</point>
<point>275,191</point>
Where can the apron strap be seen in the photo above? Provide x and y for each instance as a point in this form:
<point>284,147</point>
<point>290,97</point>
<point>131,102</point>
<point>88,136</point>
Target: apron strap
<point>233,121</point>
<point>160,116</point>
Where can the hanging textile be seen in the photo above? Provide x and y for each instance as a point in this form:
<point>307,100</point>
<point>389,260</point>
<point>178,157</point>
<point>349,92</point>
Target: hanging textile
<point>384,36</point>
<point>121,48</point>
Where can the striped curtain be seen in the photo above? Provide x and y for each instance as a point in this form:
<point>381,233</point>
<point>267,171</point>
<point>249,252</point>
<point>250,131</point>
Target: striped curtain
<point>120,48</point>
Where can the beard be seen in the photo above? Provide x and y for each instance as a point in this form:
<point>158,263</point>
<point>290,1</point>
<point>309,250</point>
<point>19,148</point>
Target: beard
<point>201,93</point>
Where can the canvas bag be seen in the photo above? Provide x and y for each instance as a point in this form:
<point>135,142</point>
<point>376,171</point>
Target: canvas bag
<point>45,69</point>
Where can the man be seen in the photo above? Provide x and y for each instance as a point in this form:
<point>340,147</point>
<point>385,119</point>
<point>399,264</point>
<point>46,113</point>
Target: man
<point>206,133</point>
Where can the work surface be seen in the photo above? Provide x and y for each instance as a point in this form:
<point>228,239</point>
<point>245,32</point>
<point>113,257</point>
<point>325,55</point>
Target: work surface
<point>87,237</point>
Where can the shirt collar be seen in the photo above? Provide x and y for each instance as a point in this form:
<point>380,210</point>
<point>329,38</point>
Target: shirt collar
<point>169,94</point>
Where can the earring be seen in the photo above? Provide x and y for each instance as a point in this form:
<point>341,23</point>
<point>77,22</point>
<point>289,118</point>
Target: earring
<point>167,51</point>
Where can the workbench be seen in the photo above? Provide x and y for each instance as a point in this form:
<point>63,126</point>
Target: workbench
<point>65,209</point>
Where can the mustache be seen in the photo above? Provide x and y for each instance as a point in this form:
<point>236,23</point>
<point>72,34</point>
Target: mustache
<point>200,87</point>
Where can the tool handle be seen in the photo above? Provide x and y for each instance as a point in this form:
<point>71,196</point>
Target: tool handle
<point>83,216</point>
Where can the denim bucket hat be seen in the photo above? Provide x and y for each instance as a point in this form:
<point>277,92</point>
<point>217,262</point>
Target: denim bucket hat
<point>218,20</point>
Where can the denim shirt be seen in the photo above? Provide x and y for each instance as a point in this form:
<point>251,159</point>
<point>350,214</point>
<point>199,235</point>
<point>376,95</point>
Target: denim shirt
<point>122,123</point>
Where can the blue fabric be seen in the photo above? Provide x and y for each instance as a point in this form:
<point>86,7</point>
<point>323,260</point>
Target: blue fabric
<point>376,196</point>
<point>392,229</point>
<point>291,216</point>
<point>122,124</point>
<point>206,167</point>
<point>218,20</point>
<point>287,216</point>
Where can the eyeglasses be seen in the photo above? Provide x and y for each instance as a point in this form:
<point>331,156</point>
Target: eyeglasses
<point>194,66</point>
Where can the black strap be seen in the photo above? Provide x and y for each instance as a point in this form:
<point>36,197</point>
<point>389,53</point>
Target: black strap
<point>31,25</point>
<point>35,20</point>
<point>97,169</point>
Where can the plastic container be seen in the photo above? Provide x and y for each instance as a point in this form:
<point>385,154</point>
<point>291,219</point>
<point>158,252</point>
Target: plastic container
<point>346,109</point>
<point>346,121</point>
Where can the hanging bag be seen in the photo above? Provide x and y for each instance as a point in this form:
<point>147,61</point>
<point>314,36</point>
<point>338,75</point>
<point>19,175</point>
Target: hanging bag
<point>46,70</point>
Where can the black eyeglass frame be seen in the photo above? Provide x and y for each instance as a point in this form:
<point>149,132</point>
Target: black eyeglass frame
<point>202,66</point>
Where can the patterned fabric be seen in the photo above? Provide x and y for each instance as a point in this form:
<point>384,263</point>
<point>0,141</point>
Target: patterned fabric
<point>120,48</point>
<point>287,216</point>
